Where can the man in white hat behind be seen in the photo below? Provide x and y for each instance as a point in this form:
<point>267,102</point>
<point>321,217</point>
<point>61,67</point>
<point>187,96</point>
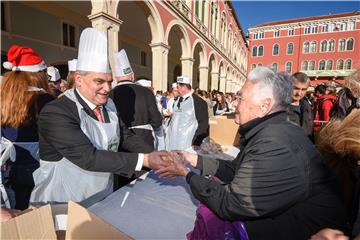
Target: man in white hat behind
<point>137,111</point>
<point>79,135</point>
<point>189,123</point>
<point>54,79</point>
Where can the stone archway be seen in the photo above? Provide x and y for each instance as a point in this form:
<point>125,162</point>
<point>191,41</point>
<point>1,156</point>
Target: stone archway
<point>222,80</point>
<point>178,41</point>
<point>200,66</point>
<point>213,77</point>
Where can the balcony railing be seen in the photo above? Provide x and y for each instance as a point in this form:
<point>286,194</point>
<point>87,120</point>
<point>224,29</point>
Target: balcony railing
<point>182,7</point>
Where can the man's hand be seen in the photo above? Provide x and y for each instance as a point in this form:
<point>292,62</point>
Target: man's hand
<point>176,168</point>
<point>157,160</point>
<point>7,214</point>
<point>190,158</point>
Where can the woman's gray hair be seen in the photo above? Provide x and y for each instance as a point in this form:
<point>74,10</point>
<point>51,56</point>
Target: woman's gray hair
<point>280,85</point>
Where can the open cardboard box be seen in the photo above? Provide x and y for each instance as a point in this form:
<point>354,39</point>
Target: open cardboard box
<point>78,222</point>
<point>224,130</point>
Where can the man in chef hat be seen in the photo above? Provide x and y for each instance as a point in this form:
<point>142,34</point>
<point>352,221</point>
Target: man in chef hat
<point>189,122</point>
<point>54,79</point>
<point>79,134</point>
<point>71,74</point>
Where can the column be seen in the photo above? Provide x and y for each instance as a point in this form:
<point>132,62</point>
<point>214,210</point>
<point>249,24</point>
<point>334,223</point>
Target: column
<point>111,27</point>
<point>187,66</point>
<point>214,80</point>
<point>204,74</point>
<point>159,65</point>
<point>222,84</point>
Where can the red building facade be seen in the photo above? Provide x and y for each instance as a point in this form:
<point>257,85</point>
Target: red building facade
<point>326,48</point>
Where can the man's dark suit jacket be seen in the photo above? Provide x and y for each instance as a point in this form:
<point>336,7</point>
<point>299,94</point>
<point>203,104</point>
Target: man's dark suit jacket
<point>60,136</point>
<point>136,105</point>
<point>279,185</point>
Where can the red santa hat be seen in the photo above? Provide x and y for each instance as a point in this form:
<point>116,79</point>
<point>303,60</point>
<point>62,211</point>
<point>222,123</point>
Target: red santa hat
<point>22,58</point>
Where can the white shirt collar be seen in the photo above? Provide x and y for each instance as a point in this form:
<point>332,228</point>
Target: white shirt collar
<point>90,104</point>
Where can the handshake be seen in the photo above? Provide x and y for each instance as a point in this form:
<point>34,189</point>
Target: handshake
<point>170,164</point>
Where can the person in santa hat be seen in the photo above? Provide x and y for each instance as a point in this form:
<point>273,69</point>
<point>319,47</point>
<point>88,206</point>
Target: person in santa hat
<point>24,92</point>
<point>79,135</point>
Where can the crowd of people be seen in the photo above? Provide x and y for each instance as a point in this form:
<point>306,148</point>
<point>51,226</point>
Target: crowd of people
<point>296,176</point>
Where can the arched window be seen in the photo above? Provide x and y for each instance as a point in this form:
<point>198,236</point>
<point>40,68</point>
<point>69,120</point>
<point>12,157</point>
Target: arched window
<point>274,67</point>
<point>312,66</point>
<point>222,28</point>
<point>342,45</point>
<point>322,65</point>
<point>197,8</point>
<point>290,48</point>
<point>313,46</point>
<point>254,51</point>
<point>304,66</point>
<point>288,67</point>
<point>348,64</point>
<point>276,49</point>
<point>331,45</point>
<point>349,44</point>
<point>323,46</point>
<point>203,11</point>
<point>261,51</point>
<point>329,64</point>
<point>306,47</point>
<point>340,64</point>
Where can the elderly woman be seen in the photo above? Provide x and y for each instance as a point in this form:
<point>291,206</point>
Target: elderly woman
<point>24,92</point>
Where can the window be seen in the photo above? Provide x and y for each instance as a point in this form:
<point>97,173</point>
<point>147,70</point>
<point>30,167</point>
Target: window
<point>322,65</point>
<point>340,64</point>
<point>3,19</point>
<point>304,66</point>
<point>261,35</point>
<point>351,26</point>
<point>312,66</point>
<point>342,26</point>
<point>331,45</point>
<point>349,44</point>
<point>333,27</point>
<point>276,33</point>
<point>306,47</point>
<point>325,28</point>
<point>222,29</point>
<point>313,47</point>
<point>348,64</point>
<point>276,49</point>
<point>288,67</point>
<point>290,48</point>
<point>68,34</point>
<point>197,8</point>
<point>329,64</point>
<point>261,51</point>
<point>342,45</point>
<point>255,35</point>
<point>314,29</point>
<point>203,11</point>
<point>274,67</point>
<point>254,51</point>
<point>253,66</point>
<point>143,58</point>
<point>213,18</point>
<point>290,32</point>
<point>307,30</point>
<point>323,46</point>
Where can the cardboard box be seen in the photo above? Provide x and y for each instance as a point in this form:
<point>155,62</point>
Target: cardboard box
<point>224,130</point>
<point>78,223</point>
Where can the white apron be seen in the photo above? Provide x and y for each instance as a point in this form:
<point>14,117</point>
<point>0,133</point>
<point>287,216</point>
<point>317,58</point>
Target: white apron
<point>183,124</point>
<point>64,181</point>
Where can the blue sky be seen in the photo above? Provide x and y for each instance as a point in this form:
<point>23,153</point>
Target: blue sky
<point>253,13</point>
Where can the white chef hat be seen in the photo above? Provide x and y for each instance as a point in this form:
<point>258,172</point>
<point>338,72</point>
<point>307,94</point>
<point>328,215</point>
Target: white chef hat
<point>144,83</point>
<point>183,80</point>
<point>54,74</point>
<point>72,65</point>
<point>93,52</point>
<point>174,85</point>
<point>122,64</point>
